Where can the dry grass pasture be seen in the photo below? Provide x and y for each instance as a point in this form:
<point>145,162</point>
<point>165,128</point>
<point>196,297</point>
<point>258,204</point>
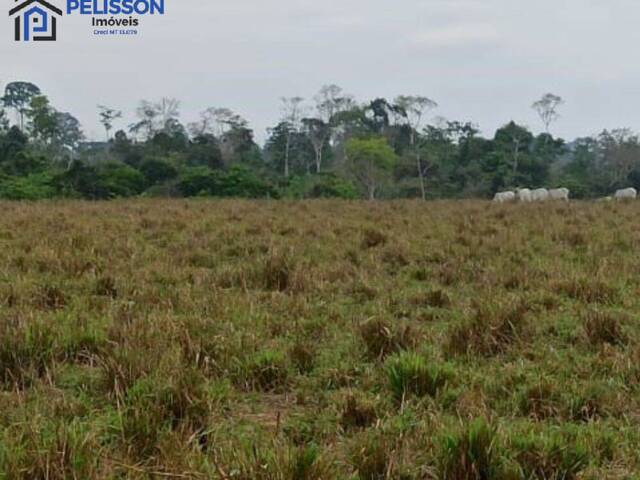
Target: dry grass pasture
<point>319,340</point>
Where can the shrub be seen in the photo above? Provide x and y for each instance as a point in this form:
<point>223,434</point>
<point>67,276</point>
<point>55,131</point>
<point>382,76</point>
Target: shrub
<point>165,190</point>
<point>409,373</point>
<point>205,151</point>
<point>81,180</point>
<point>120,180</point>
<point>240,181</point>
<point>323,185</point>
<point>157,171</point>
<point>198,181</point>
<point>36,186</point>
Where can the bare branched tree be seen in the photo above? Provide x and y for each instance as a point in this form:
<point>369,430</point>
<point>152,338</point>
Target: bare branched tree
<point>330,101</point>
<point>217,122</point>
<point>107,117</point>
<point>414,109</point>
<point>154,117</point>
<point>292,110</point>
<point>547,109</point>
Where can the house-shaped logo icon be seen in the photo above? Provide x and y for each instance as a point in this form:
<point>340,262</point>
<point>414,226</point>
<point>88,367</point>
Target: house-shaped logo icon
<point>35,20</point>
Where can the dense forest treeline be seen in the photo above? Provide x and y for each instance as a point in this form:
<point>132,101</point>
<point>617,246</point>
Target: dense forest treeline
<point>331,146</point>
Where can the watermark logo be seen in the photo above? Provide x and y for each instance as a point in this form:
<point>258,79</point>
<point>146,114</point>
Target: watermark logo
<point>35,20</point>
<point>115,17</point>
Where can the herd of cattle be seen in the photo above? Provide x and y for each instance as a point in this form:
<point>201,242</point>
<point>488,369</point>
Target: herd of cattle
<point>526,195</point>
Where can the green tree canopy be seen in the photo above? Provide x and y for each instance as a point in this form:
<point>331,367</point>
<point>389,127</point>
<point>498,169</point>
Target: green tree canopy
<point>370,161</point>
<point>18,95</point>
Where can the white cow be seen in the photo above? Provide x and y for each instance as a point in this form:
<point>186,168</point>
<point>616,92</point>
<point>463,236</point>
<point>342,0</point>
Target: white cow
<point>504,197</point>
<point>540,195</point>
<point>559,194</point>
<point>626,194</point>
<point>524,195</point>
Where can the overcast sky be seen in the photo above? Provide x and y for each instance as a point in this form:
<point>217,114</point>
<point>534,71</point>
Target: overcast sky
<point>484,61</point>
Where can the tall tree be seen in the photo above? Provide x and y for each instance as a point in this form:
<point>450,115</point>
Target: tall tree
<point>370,161</point>
<point>584,173</point>
<point>291,109</point>
<point>107,117</point>
<point>205,151</point>
<point>514,141</point>
<point>18,95</point>
<point>330,101</point>
<point>216,121</point>
<point>301,156</point>
<point>547,109</point>
<point>379,114</point>
<point>413,109</point>
<point>318,132</point>
<point>233,136</point>
<point>43,121</point>
<point>168,113</point>
<point>12,143</point>
<point>238,145</point>
<point>620,155</point>
<point>154,117</point>
<point>4,121</point>
<point>147,114</point>
<point>68,131</point>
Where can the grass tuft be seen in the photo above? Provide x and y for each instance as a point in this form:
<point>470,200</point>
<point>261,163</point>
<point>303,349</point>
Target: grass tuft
<point>589,290</point>
<point>357,412</point>
<point>493,328</point>
<point>267,371</point>
<point>470,454</point>
<point>411,374</point>
<point>373,238</point>
<point>383,338</point>
<point>602,327</point>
